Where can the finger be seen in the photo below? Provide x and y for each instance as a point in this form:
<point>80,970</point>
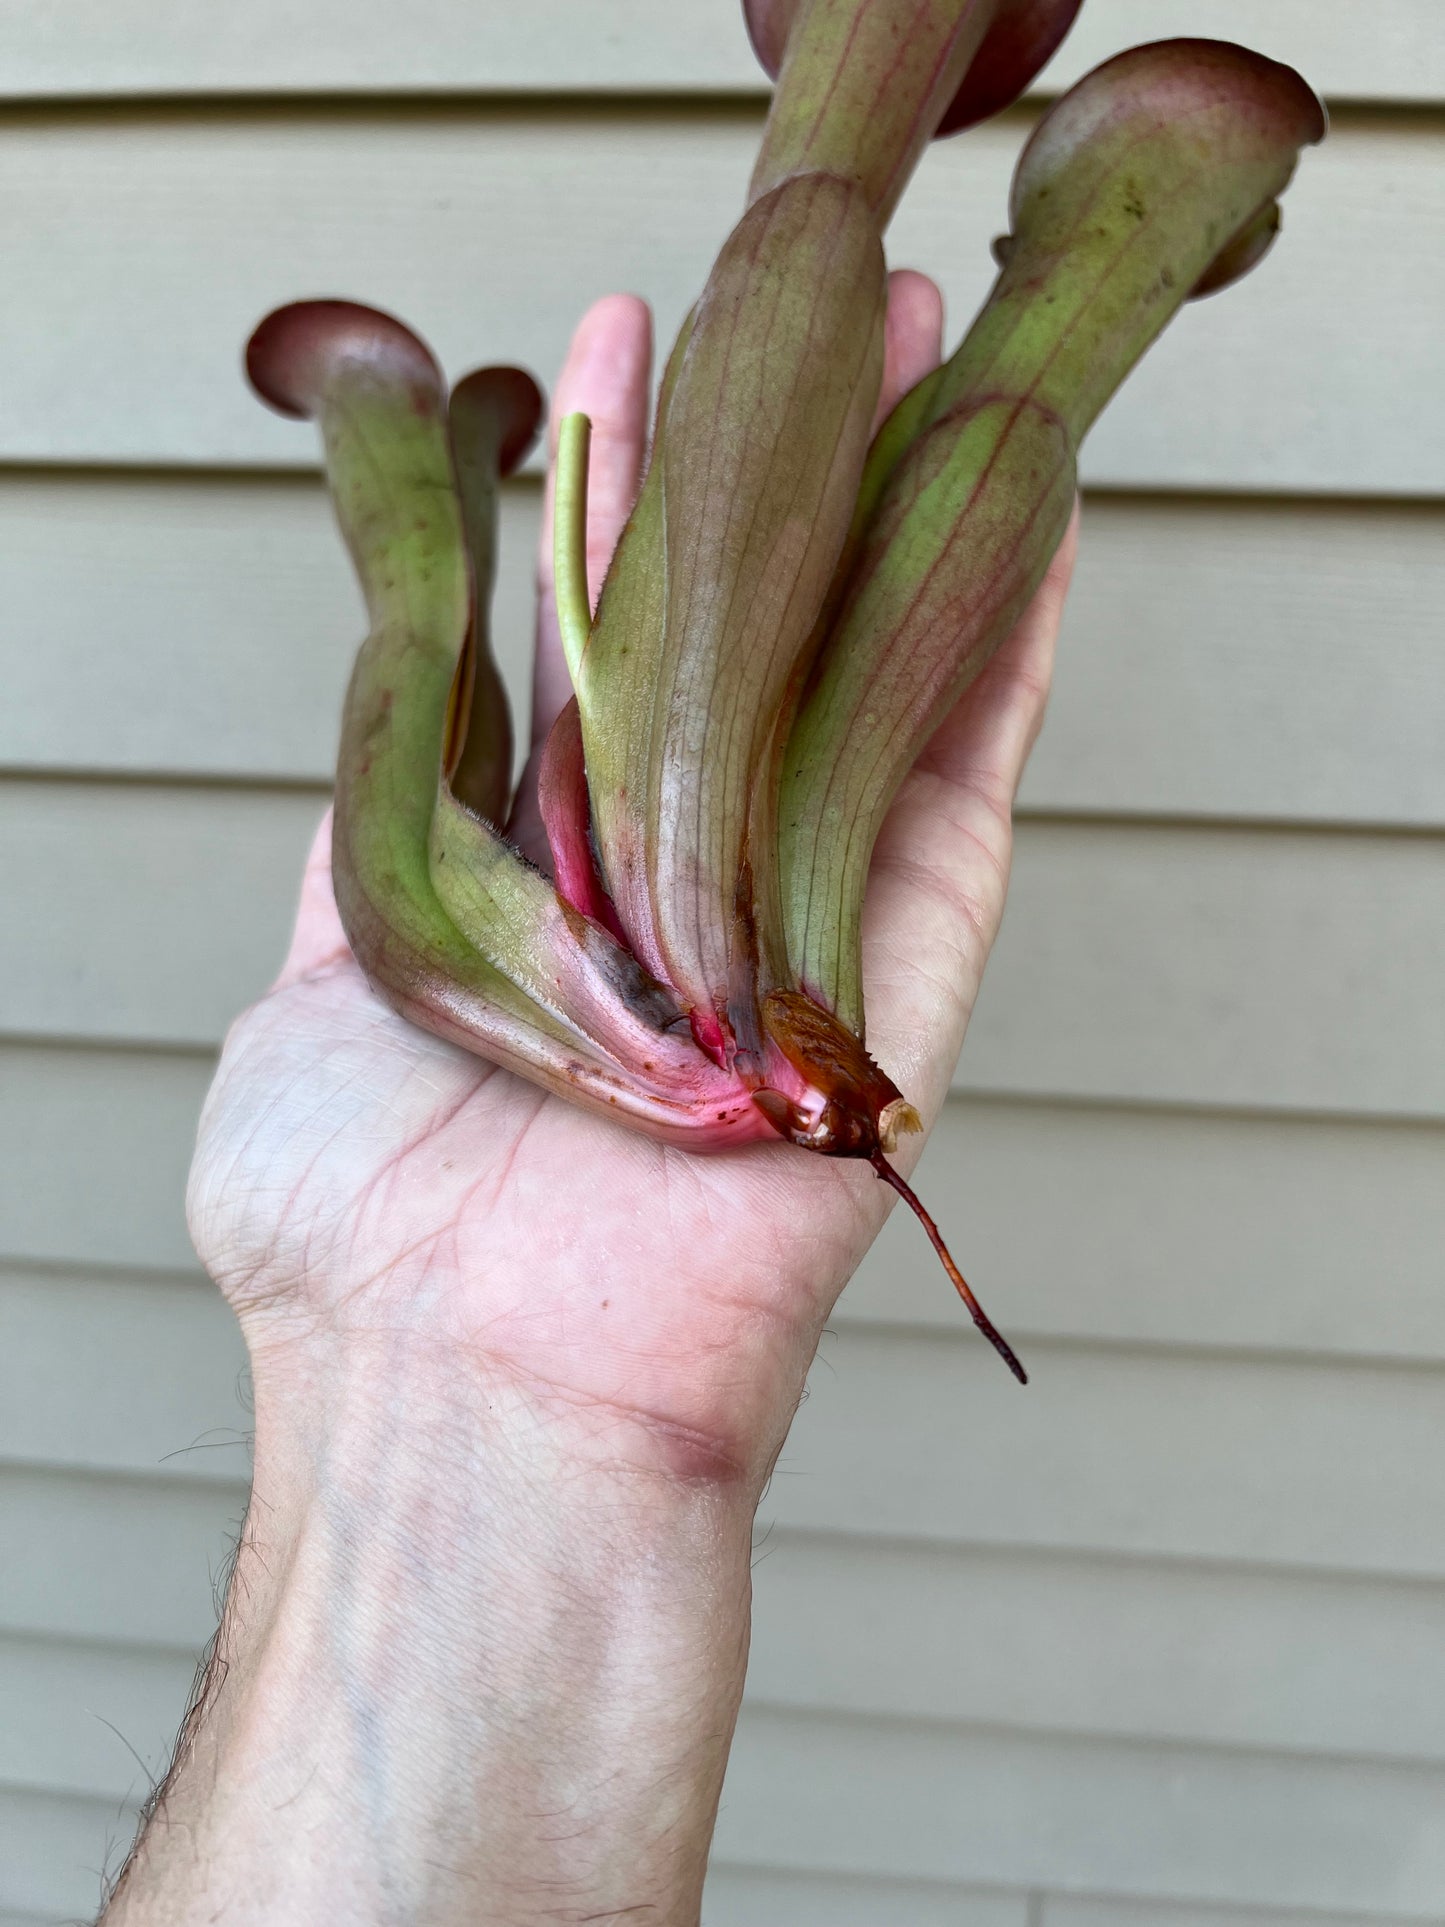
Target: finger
<point>317,937</point>
<point>606,376</point>
<point>940,870</point>
<point>912,336</point>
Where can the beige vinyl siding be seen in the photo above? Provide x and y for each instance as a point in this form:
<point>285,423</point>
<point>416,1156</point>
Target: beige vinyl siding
<point>55,1848</point>
<point>1114,1911</point>
<point>1234,966</point>
<point>1160,1643</point>
<point>130,1561</point>
<point>1343,1216</point>
<point>1220,658</point>
<point>1256,1830</point>
<point>742,1897</point>
<point>86,49</point>
<point>1237,1441</point>
<point>167,234</point>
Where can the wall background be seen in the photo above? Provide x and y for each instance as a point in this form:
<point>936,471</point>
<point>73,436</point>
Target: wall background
<point>1161,1644</point>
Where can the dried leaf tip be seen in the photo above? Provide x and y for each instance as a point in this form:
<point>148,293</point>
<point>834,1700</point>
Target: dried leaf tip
<point>897,1119</point>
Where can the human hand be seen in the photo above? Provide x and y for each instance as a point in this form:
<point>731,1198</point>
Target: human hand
<point>520,1374</point>
<point>361,1189</point>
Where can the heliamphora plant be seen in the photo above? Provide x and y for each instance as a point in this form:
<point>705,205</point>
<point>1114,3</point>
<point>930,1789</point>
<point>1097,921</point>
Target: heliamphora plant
<point>791,611</point>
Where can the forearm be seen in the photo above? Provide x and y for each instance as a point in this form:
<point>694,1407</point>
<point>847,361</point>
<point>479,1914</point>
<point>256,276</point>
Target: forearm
<point>480,1661</point>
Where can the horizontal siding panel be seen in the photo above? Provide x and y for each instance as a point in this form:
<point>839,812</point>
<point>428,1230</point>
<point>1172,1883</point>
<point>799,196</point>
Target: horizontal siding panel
<point>192,890</point>
<point>892,1801</point>
<point>1273,661</point>
<point>78,48</point>
<point>1295,1662</point>
<point>1254,1659</point>
<point>1290,1661</point>
<point>98,1144</point>
<point>72,1714</point>
<point>160,1366</point>
<point>54,1851</point>
<point>1249,660</point>
<point>134,1559</point>
<point>1233,1471</point>
<point>744,1897</point>
<point>122,1373</point>
<point>1263,1234</point>
<point>1137,963</point>
<point>143,247</point>
<point>65,1700</point>
<point>1176,1228</point>
<point>233,597</point>
<point>1218,967</point>
<point>89,47</point>
<point>1158,1454</point>
<point>915,1800</point>
<point>1063,1910</point>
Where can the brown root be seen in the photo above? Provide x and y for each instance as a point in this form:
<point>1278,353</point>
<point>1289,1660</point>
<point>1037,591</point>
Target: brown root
<point>976,1311</point>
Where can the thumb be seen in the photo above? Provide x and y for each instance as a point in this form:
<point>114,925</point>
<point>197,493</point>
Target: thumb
<point>317,938</point>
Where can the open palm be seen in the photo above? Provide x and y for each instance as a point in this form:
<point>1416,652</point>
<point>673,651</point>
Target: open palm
<point>358,1182</point>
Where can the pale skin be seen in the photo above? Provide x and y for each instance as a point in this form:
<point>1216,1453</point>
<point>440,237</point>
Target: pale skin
<point>520,1377</point>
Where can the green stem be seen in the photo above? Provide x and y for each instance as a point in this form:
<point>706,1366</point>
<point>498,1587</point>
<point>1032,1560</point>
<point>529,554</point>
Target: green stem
<point>569,541</point>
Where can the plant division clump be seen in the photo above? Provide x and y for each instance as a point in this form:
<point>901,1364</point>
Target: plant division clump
<point>791,611</point>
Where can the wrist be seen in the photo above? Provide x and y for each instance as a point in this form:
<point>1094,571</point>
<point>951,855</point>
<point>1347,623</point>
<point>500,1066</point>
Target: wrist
<point>484,1654</point>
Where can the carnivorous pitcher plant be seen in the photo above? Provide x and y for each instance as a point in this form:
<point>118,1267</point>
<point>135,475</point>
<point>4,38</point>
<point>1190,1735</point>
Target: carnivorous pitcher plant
<point>792,610</point>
